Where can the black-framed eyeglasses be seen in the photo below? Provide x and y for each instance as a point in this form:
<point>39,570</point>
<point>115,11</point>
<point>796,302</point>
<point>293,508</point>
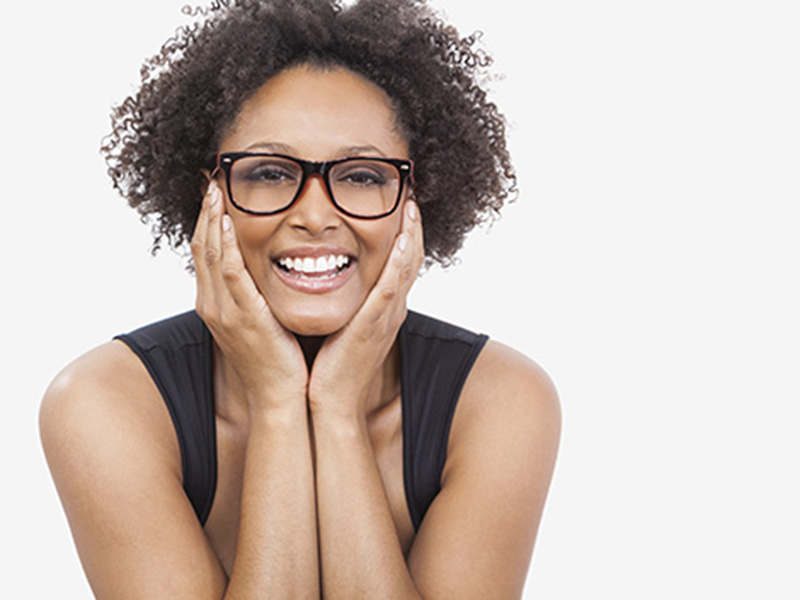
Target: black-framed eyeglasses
<point>360,187</point>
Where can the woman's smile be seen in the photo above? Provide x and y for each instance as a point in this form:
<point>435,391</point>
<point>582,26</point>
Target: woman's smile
<point>314,264</point>
<point>315,269</point>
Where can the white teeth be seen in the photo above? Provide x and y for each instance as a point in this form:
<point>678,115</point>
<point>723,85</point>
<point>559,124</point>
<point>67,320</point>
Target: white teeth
<point>310,265</point>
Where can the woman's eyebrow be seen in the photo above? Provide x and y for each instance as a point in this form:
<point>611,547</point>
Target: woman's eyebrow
<point>361,151</point>
<point>270,147</point>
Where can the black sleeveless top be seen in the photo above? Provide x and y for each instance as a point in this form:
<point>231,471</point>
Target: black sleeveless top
<point>435,359</point>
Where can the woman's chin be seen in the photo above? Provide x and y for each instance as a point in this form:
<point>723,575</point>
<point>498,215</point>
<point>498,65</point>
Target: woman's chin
<point>312,325</point>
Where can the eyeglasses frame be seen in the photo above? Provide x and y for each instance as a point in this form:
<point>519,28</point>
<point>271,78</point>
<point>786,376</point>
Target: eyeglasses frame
<point>224,161</point>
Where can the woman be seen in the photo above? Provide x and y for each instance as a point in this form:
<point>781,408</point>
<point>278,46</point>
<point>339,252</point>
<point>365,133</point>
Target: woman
<point>302,434</point>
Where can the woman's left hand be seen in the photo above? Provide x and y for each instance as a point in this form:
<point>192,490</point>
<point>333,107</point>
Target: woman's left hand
<point>350,359</point>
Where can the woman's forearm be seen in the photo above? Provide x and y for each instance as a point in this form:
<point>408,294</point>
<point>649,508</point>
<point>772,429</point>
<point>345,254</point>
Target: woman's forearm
<point>360,551</point>
<point>276,555</point>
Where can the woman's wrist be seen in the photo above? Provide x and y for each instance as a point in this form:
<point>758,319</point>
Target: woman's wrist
<point>337,417</point>
<point>277,406</point>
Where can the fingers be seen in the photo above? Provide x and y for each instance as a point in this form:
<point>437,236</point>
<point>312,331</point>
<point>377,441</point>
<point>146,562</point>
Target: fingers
<point>212,251</point>
<point>408,251</point>
<point>235,276</point>
<point>400,270</point>
<point>199,244</point>
<point>223,282</point>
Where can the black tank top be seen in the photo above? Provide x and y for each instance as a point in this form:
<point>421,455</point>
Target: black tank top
<point>435,359</point>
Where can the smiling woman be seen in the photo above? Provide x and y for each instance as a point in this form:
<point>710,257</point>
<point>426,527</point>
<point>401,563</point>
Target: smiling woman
<point>301,433</point>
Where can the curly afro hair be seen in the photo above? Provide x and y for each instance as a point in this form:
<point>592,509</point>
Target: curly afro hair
<point>192,91</point>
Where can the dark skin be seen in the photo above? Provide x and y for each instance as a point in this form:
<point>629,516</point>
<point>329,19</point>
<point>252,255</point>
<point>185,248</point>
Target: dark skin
<point>310,500</point>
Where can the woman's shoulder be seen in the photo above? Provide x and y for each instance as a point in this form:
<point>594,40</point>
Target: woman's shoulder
<point>100,374</point>
<point>116,369</point>
<point>497,370</point>
<point>115,375</point>
<point>509,404</point>
<point>501,381</point>
<point>102,402</point>
<point>509,376</point>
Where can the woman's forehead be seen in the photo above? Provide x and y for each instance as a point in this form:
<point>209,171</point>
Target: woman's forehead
<point>318,110</point>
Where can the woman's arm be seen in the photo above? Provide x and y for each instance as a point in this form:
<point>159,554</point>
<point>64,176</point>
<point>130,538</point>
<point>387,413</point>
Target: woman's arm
<point>115,459</point>
<point>477,537</point>
<point>360,552</point>
<point>276,554</point>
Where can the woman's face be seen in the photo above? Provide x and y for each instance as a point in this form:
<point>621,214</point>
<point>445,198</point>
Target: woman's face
<point>318,115</point>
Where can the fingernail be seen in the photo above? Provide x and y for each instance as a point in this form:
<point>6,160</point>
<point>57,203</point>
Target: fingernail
<point>226,223</point>
<point>402,242</point>
<point>412,211</point>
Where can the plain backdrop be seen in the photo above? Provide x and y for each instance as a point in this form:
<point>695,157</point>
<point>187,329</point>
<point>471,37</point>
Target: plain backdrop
<point>650,265</point>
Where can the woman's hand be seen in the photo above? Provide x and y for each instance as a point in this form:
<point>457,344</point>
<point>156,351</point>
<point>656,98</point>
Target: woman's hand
<point>264,354</point>
<point>350,359</point>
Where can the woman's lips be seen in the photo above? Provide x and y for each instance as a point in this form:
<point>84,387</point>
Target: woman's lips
<point>316,271</point>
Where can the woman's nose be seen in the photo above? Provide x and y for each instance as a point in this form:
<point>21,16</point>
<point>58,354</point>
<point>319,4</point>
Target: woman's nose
<point>314,210</point>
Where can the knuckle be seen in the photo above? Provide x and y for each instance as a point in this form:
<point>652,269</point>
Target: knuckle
<point>230,321</point>
<point>205,313</point>
<point>388,294</point>
<point>230,273</point>
<point>224,321</point>
<point>229,241</point>
<point>211,255</point>
<point>407,272</point>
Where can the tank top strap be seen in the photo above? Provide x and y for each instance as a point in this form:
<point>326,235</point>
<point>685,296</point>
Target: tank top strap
<point>435,359</point>
<point>177,353</point>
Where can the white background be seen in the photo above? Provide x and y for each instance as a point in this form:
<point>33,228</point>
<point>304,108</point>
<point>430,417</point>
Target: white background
<point>650,265</point>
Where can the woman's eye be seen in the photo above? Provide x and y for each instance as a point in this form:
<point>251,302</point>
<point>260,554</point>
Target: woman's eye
<point>362,178</point>
<point>270,174</point>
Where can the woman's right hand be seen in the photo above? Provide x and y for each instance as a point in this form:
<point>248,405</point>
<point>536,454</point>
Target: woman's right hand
<point>265,355</point>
